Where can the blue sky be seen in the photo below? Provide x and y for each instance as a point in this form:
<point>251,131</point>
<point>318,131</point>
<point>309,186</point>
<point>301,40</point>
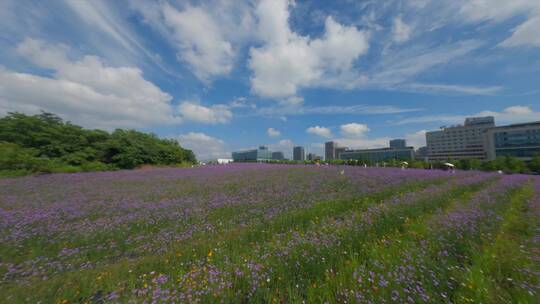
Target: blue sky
<point>226,75</point>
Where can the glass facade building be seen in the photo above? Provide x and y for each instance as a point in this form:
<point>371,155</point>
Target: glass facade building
<point>299,154</point>
<point>379,155</point>
<point>278,155</point>
<point>519,140</point>
<point>398,143</point>
<point>260,154</point>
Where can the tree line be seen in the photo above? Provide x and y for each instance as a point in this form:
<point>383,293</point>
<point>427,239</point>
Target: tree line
<point>44,143</point>
<point>506,164</point>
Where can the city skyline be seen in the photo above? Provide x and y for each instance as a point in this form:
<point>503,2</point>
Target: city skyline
<point>221,76</point>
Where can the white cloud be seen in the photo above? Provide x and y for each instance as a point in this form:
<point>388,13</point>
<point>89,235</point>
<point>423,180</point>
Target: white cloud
<point>460,89</point>
<point>294,101</point>
<point>210,115</point>
<point>320,131</point>
<point>204,146</point>
<point>241,102</point>
<point>273,132</point>
<point>200,41</point>
<point>206,36</point>
<point>363,142</point>
<point>397,69</point>
<point>353,130</point>
<point>101,17</point>
<point>525,34</point>
<point>513,114</point>
<point>96,14</point>
<point>401,32</point>
<point>287,61</point>
<point>331,110</point>
<point>416,139</point>
<point>518,110</point>
<point>284,145</point>
<point>85,91</point>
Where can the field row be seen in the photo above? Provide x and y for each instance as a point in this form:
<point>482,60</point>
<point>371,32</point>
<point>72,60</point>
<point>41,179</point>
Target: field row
<point>262,233</point>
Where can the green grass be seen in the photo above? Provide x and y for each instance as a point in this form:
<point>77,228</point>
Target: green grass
<point>443,239</point>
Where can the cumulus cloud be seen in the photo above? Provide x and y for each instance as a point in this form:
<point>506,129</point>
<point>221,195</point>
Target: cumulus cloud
<point>354,129</point>
<point>287,61</point>
<point>513,114</point>
<point>518,110</point>
<point>203,145</point>
<point>355,137</point>
<point>198,113</point>
<point>200,40</point>
<point>401,32</point>
<point>273,132</point>
<point>320,131</point>
<point>416,139</point>
<point>85,91</point>
<point>206,36</point>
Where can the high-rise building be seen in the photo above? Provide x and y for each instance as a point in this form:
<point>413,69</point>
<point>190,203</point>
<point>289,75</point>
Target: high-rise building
<point>278,155</point>
<point>330,150</point>
<point>518,140</point>
<point>299,154</point>
<point>459,142</point>
<point>260,154</point>
<point>398,143</point>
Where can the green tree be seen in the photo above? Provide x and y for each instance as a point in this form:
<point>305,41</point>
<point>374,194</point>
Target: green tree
<point>55,145</point>
<point>534,165</point>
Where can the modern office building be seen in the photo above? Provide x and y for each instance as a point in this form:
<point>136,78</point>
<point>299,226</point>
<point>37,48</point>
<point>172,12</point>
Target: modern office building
<point>421,154</point>
<point>313,157</point>
<point>340,150</point>
<point>260,154</point>
<point>460,141</point>
<point>518,140</point>
<point>379,155</point>
<point>299,153</point>
<point>398,143</point>
<point>278,155</point>
<point>330,150</point>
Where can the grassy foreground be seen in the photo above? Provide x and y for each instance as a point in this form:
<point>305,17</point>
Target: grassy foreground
<point>270,233</point>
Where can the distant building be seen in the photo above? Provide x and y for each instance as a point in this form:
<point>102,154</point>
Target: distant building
<point>313,157</point>
<point>340,150</point>
<point>260,154</point>
<point>379,155</point>
<point>223,161</point>
<point>461,141</point>
<point>330,150</point>
<point>421,153</point>
<point>299,153</point>
<point>518,140</point>
<point>398,143</point>
<point>278,155</point>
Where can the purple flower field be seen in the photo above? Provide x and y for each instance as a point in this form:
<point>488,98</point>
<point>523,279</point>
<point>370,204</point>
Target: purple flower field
<point>259,233</point>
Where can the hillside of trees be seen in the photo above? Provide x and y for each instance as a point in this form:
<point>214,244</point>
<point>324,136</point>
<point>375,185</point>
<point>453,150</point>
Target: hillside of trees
<point>44,143</point>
